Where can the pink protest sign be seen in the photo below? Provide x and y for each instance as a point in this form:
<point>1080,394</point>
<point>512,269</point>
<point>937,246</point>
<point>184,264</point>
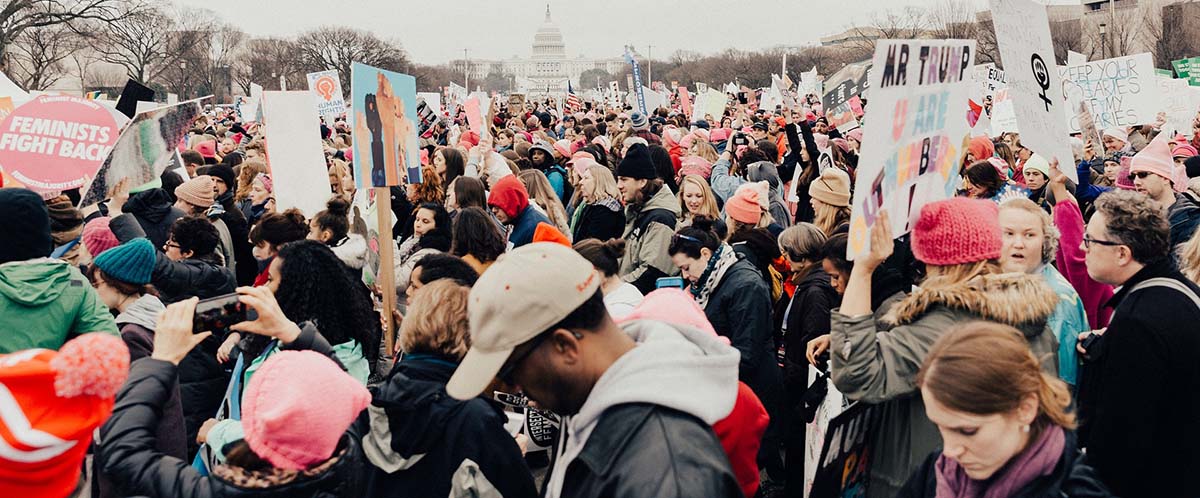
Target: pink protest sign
<point>474,115</point>
<point>56,142</point>
<point>685,101</point>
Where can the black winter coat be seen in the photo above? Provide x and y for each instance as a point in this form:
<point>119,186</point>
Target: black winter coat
<point>1137,408</point>
<point>155,212</point>
<point>421,442</point>
<point>1071,478</point>
<point>808,317</point>
<point>239,230</point>
<point>740,309</point>
<point>646,450</point>
<point>600,221</point>
<point>178,280</point>
<point>130,458</point>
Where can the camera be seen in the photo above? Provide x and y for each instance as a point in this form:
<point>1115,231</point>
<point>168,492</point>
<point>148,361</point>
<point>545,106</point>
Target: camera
<point>217,314</point>
<point>740,138</point>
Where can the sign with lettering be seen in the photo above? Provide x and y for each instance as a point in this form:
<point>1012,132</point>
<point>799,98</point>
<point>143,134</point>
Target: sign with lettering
<point>915,135</point>
<point>1119,92</point>
<point>55,142</point>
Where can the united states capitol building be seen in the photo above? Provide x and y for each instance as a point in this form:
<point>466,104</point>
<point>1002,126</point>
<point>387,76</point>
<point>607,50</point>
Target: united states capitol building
<point>548,69</point>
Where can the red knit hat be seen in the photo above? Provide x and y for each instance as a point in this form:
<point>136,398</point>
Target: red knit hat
<point>53,402</point>
<point>956,231</point>
<point>546,232</point>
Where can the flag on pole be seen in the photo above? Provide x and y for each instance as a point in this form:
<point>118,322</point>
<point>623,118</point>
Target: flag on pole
<point>573,102</point>
<point>93,95</point>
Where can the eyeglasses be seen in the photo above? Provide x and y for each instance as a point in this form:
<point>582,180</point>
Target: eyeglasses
<point>169,244</point>
<point>1141,175</point>
<point>1088,241</point>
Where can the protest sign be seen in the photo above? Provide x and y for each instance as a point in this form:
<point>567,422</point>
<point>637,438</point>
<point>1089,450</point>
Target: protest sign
<point>714,105</point>
<point>133,93</point>
<point>685,101</point>
<point>143,150</point>
<point>851,80</point>
<point>474,114</point>
<point>809,83</point>
<point>327,87</point>
<point>1075,58</point>
<point>1180,103</point>
<point>702,88</point>
<point>1182,67</point>
<point>816,430</point>
<point>636,82</point>
<point>1023,33</point>
<point>294,152</point>
<point>846,455</point>
<point>1087,125</point>
<point>6,107</point>
<point>433,100</point>
<point>1119,92</point>
<point>385,127</point>
<point>11,90</point>
<point>457,94</point>
<point>56,143</point>
<point>840,116</point>
<point>1004,117</point>
<point>915,135</point>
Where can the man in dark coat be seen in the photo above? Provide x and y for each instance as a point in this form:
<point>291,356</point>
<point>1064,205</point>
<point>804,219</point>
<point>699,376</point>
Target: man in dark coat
<point>155,212</point>
<point>1137,402</point>
<point>246,267</point>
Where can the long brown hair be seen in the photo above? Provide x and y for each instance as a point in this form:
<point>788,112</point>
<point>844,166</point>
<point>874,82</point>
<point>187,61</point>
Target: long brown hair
<point>246,176</point>
<point>430,188</point>
<point>987,368</point>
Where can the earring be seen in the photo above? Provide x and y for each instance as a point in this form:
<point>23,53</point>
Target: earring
<point>1025,428</point>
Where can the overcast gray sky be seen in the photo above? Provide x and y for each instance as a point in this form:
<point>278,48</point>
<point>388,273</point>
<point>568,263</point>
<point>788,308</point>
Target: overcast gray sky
<point>435,31</point>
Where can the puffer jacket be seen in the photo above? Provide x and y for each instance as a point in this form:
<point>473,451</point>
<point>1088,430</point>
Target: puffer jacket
<point>421,442</point>
<point>130,459</point>
<point>1071,477</point>
<point>155,213</point>
<point>648,233</point>
<point>1184,216</point>
<point>880,366</point>
<point>740,309</point>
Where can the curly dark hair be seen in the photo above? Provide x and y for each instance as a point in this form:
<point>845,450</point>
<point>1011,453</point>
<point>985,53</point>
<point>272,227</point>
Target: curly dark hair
<point>440,236</point>
<point>314,285</point>
<point>279,228</point>
<point>476,234</point>
<point>196,234</point>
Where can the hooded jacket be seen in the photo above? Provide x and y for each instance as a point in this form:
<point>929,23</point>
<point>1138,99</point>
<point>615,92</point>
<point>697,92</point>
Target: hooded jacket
<point>129,456</point>
<point>352,251</point>
<point>510,196</point>
<point>648,232</point>
<point>880,366</point>
<point>807,318</point>
<point>644,429</point>
<point>155,212</point>
<point>740,308</point>
<point>421,442</point>
<point>45,302</point>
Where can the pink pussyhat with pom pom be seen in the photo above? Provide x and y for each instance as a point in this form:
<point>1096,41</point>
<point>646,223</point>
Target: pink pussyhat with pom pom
<point>55,400</point>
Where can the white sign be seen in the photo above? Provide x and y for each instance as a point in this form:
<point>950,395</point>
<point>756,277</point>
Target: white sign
<point>1180,103</point>
<point>1120,92</point>
<point>326,86</point>
<point>1023,33</point>
<point>294,152</point>
<point>1075,58</point>
<point>915,135</point>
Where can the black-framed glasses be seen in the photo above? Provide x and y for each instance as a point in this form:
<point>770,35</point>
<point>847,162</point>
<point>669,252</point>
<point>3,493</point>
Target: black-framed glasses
<point>169,244</point>
<point>1088,241</point>
<point>507,370</point>
<point>1139,175</point>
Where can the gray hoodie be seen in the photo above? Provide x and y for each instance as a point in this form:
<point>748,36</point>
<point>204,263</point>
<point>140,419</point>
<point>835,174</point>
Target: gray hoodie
<point>674,366</point>
<point>142,312</point>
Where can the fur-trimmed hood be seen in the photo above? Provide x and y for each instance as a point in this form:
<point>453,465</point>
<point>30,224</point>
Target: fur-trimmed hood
<point>1017,299</point>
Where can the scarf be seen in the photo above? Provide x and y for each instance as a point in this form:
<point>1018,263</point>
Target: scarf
<point>1037,460</point>
<point>718,264</point>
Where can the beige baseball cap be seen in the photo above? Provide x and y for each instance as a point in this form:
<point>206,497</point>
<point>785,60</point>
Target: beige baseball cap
<point>522,294</point>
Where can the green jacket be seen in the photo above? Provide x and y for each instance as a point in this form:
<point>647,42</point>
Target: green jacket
<point>44,302</point>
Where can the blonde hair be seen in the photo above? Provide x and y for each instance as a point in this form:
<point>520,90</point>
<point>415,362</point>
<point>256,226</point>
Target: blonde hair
<point>1050,234</point>
<point>437,320</point>
<point>942,276</point>
<point>706,150</point>
<point>1189,258</point>
<point>829,217</point>
<point>987,368</point>
<point>338,170</point>
<point>708,207</point>
<point>605,184</point>
<point>540,192</point>
<point>245,180</point>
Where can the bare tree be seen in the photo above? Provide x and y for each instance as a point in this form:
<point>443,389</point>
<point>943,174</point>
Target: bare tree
<point>263,60</point>
<point>1171,34</point>
<point>987,49</point>
<point>139,43</point>
<point>952,20</point>
<point>1067,36</point>
<point>20,16</point>
<point>338,48</point>
<point>37,58</point>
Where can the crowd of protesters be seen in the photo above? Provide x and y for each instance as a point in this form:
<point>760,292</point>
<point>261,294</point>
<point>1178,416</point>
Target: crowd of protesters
<point>659,291</point>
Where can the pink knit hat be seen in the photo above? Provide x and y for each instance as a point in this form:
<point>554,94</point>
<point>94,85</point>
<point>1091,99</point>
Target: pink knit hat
<point>695,165</point>
<point>855,134</point>
<point>198,191</point>
<point>744,207</point>
<point>956,231</point>
<point>1184,150</point>
<point>97,237</point>
<point>582,164</point>
<point>672,306</point>
<point>1156,158</point>
<point>563,147</point>
<point>297,406</point>
<point>1123,181</point>
<point>266,181</point>
<point>718,135</point>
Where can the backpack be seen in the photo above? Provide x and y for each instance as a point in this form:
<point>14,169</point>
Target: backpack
<point>568,190</point>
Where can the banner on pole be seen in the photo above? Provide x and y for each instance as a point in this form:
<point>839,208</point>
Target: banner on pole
<point>915,135</point>
<point>385,127</point>
<point>637,81</point>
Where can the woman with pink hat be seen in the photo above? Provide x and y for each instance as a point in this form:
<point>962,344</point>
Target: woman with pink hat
<point>959,241</point>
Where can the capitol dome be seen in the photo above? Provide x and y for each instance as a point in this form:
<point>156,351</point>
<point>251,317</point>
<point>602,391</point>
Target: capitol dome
<point>548,42</point>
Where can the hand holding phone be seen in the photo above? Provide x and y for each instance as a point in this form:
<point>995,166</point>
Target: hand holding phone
<point>669,282</point>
